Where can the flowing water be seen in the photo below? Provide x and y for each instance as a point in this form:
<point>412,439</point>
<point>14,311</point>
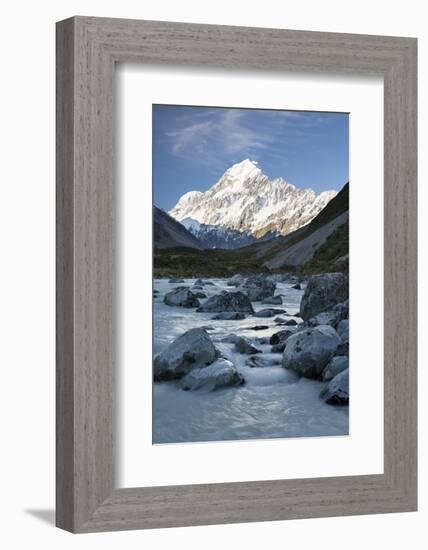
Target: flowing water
<point>273,402</point>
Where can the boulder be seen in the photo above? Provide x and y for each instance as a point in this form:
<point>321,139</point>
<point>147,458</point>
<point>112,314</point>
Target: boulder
<point>273,300</point>
<point>297,286</point>
<point>290,323</point>
<point>279,320</point>
<point>176,280</point>
<point>342,309</point>
<point>197,287</point>
<point>230,339</point>
<point>242,345</point>
<point>200,294</point>
<point>193,349</point>
<point>258,327</point>
<point>259,288</point>
<point>325,318</point>
<point>308,352</point>
<point>343,349</point>
<point>182,297</point>
<point>323,293</point>
<point>336,365</point>
<point>343,330</point>
<point>337,390</point>
<point>229,316</point>
<point>280,337</point>
<point>220,374</point>
<point>227,301</point>
<point>268,312</point>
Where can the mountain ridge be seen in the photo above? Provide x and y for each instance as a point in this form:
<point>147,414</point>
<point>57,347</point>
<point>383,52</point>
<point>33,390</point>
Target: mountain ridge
<point>169,233</point>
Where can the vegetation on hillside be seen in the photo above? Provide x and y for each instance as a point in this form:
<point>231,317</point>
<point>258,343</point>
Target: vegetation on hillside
<point>332,256</point>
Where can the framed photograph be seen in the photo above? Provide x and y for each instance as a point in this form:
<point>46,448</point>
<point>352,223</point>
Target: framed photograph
<point>236,274</point>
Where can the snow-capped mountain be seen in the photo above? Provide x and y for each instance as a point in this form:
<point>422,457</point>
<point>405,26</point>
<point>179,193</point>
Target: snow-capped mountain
<point>247,201</point>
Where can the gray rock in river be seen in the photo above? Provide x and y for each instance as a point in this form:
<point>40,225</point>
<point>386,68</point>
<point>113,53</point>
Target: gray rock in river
<point>273,300</point>
<point>337,390</point>
<point>259,288</point>
<point>261,361</point>
<point>182,297</point>
<point>280,336</point>
<point>220,374</point>
<point>337,364</point>
<point>242,345</point>
<point>230,339</point>
<point>229,316</point>
<point>323,293</point>
<point>343,349</point>
<point>200,294</point>
<point>227,301</point>
<point>176,280</point>
<point>307,352</point>
<point>193,349</point>
<point>343,330</point>
<point>268,312</point>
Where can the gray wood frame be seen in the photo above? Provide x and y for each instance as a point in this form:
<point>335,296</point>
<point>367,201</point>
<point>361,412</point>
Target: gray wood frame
<point>87,50</point>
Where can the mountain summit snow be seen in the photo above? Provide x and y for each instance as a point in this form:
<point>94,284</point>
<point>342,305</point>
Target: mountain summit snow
<point>246,200</point>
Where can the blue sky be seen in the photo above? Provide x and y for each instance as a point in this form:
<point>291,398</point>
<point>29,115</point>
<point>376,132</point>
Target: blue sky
<point>194,146</point>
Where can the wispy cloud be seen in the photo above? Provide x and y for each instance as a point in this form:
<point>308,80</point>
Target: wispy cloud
<point>216,137</point>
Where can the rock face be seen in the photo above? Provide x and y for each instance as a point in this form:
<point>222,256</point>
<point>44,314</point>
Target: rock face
<point>220,374</point>
<point>192,350</point>
<point>182,297</point>
<point>273,300</point>
<point>336,365</point>
<point>229,316</point>
<point>227,301</point>
<point>323,293</point>
<point>259,288</point>
<point>242,345</point>
<point>337,390</point>
<point>307,352</point>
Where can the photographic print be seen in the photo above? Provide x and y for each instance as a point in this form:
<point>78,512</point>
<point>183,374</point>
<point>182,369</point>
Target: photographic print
<point>250,273</point>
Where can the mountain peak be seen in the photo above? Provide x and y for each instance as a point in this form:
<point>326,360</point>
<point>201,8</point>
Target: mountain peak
<point>245,169</point>
<point>245,199</point>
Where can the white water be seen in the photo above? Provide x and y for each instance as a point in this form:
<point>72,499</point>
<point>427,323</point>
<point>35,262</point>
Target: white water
<point>272,403</point>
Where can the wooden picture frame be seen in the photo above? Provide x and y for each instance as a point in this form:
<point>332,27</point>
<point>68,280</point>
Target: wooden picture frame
<point>87,50</point>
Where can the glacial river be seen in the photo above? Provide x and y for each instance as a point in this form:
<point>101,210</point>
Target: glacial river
<point>273,402</point>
